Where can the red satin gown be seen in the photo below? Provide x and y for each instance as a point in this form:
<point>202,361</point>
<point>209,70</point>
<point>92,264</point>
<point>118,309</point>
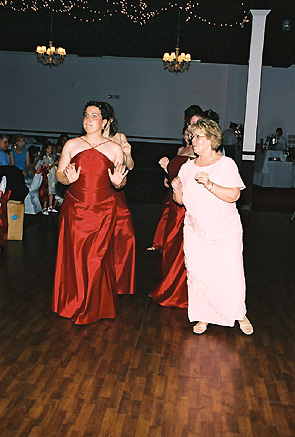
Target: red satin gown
<point>85,281</point>
<point>124,246</point>
<point>172,291</point>
<point>158,240</point>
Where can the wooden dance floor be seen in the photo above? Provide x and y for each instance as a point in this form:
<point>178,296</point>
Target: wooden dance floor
<point>145,374</point>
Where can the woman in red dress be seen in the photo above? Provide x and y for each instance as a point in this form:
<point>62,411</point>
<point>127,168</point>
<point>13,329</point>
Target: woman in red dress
<point>85,281</point>
<point>124,229</point>
<point>172,290</point>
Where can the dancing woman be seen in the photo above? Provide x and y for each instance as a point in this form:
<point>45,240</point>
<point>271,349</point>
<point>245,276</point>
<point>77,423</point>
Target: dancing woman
<point>85,280</point>
<point>172,290</point>
<point>124,229</point>
<point>209,186</point>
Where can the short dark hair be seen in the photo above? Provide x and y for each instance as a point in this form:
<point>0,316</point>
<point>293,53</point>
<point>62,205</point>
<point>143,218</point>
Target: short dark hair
<point>32,150</point>
<point>61,138</point>
<point>18,137</point>
<point>2,136</point>
<point>211,115</point>
<point>191,111</point>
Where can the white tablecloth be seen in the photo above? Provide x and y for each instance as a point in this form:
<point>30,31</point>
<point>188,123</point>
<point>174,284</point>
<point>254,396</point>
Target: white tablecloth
<point>32,202</point>
<point>262,159</point>
<point>280,175</point>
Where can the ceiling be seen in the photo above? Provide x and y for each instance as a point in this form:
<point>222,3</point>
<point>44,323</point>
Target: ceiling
<point>117,35</point>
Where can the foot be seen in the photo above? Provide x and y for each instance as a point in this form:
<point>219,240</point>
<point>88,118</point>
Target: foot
<point>200,328</point>
<point>53,210</point>
<point>150,248</point>
<point>45,212</point>
<point>246,326</point>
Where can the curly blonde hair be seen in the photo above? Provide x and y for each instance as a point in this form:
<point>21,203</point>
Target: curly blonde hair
<point>211,129</point>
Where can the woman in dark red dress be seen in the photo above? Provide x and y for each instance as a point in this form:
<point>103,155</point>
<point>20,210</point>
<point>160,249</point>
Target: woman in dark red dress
<point>172,290</point>
<point>124,229</point>
<point>85,281</point>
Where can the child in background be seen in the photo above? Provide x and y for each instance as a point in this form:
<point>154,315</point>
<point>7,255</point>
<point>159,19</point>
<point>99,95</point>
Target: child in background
<point>49,162</point>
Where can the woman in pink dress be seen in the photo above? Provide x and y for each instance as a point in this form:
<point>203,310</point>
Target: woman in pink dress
<point>209,186</point>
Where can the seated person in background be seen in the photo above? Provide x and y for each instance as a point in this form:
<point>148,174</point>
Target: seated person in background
<point>15,182</point>
<point>281,140</point>
<point>19,156</point>
<point>4,157</point>
<point>34,159</point>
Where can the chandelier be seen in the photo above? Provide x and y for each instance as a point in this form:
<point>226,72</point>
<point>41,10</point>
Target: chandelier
<point>50,56</point>
<point>175,62</point>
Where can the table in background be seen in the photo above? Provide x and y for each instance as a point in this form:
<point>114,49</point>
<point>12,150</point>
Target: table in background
<point>277,174</point>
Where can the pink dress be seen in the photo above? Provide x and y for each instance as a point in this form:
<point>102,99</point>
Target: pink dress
<point>213,246</point>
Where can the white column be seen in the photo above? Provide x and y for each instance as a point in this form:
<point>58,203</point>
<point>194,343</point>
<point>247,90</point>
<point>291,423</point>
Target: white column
<point>254,79</point>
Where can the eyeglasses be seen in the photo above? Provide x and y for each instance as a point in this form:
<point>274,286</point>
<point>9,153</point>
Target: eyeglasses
<point>197,136</point>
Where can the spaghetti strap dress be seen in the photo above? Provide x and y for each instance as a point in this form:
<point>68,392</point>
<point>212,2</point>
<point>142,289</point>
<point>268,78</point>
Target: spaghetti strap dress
<point>172,290</point>
<point>124,251</point>
<point>158,240</point>
<point>85,280</point>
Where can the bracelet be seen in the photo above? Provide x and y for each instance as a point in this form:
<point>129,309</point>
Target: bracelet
<point>211,188</point>
<point>117,186</point>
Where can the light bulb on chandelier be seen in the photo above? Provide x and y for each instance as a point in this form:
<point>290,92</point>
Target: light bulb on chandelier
<point>175,62</point>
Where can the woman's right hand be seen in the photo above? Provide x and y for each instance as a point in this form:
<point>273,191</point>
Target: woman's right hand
<point>176,185</point>
<point>71,173</point>
<point>166,183</point>
<point>164,163</point>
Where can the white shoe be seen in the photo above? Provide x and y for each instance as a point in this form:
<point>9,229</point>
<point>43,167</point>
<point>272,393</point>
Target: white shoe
<point>45,212</point>
<point>52,210</point>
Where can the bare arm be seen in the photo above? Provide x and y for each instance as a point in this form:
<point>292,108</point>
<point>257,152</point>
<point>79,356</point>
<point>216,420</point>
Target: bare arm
<point>177,190</point>
<point>11,158</point>
<point>66,172</point>
<point>227,194</point>
<point>27,162</point>
<point>126,147</point>
<point>164,163</point>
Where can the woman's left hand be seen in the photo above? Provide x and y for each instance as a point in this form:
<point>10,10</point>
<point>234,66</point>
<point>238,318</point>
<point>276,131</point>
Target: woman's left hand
<point>126,147</point>
<point>203,178</point>
<point>119,173</point>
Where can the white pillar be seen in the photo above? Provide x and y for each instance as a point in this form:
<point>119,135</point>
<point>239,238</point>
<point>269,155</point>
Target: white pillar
<point>253,88</point>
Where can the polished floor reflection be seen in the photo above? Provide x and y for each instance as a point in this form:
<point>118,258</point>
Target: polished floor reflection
<point>145,373</point>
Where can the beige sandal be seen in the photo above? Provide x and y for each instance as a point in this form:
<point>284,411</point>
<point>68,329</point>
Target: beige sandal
<point>246,327</point>
<point>200,328</point>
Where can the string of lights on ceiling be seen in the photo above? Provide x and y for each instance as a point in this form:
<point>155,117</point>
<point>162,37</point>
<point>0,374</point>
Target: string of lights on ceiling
<point>138,12</point>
